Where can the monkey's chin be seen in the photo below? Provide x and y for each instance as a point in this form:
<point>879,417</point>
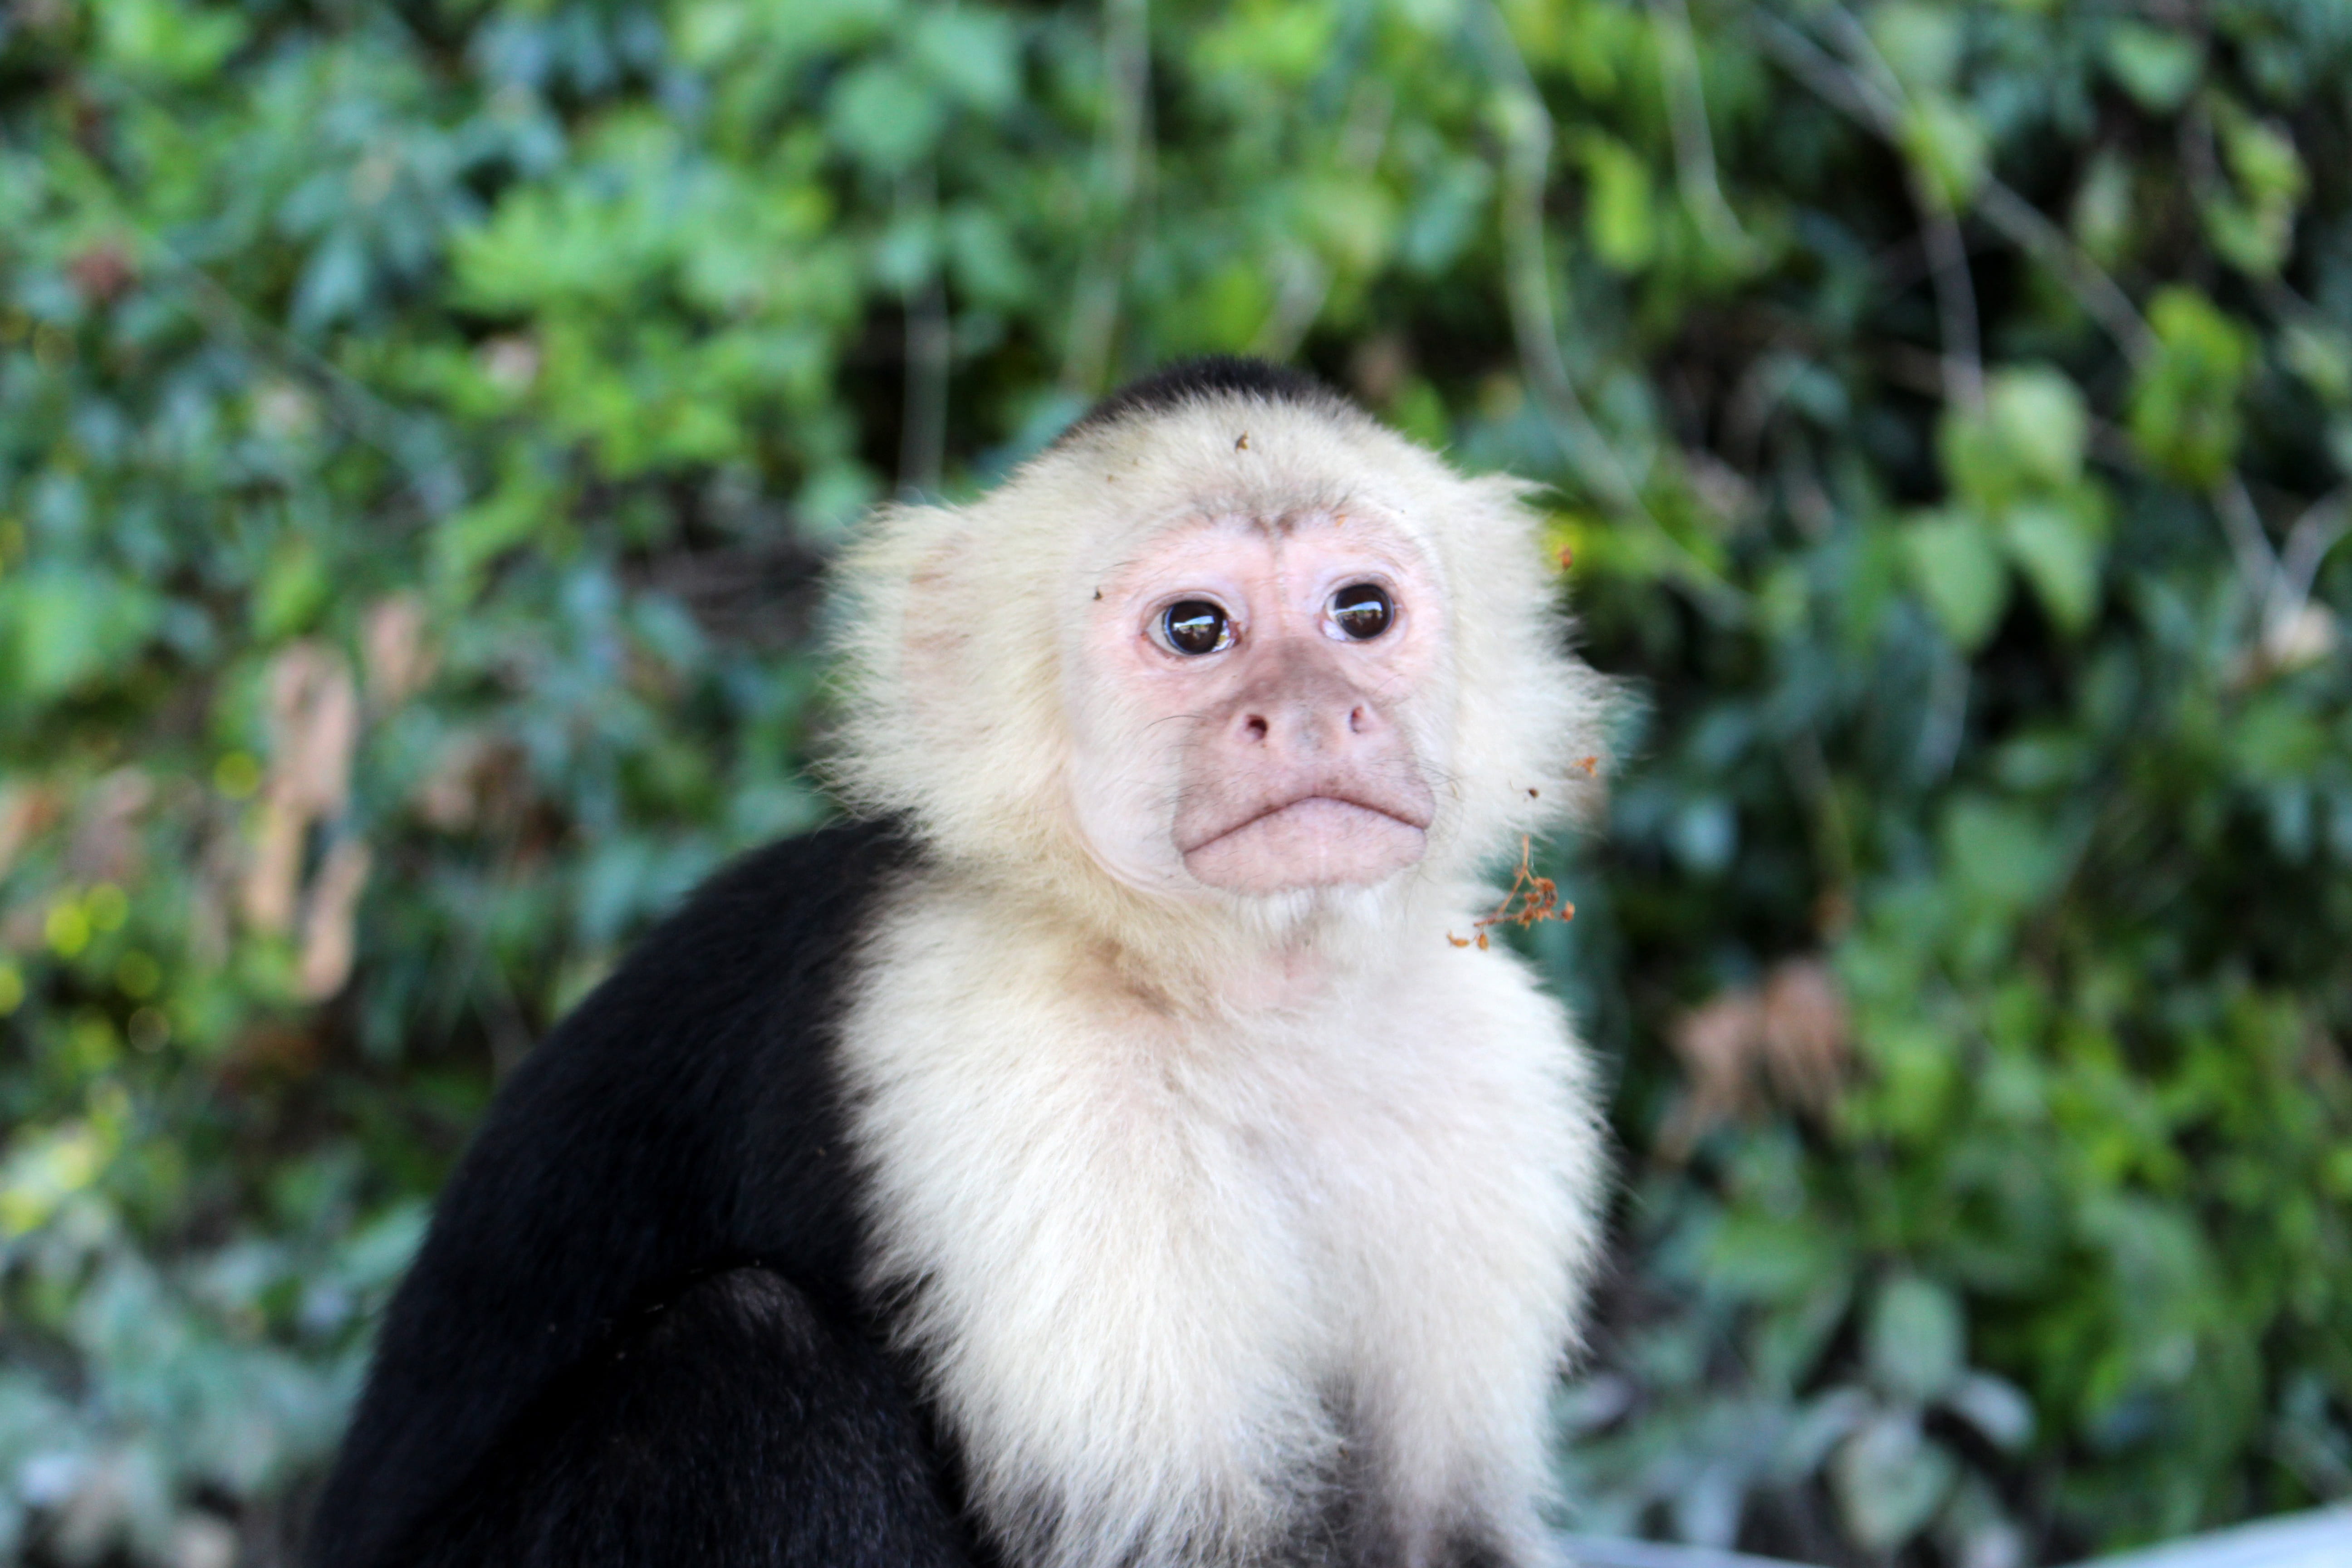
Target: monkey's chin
<point>1313,843</point>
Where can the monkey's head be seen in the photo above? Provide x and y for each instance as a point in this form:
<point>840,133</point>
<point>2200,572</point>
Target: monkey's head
<point>1228,639</point>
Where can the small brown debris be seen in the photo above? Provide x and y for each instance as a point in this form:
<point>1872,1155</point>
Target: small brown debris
<point>1530,899</point>
<point>1240,442</point>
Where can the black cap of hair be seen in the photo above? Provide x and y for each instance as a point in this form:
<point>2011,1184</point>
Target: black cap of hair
<point>1211,375</point>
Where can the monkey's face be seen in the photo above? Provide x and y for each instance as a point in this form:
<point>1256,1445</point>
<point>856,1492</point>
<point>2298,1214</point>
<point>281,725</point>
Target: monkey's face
<point>1250,706</point>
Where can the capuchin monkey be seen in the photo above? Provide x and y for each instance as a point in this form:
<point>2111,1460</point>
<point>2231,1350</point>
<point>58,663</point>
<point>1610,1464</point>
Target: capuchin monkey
<point>1107,1148</point>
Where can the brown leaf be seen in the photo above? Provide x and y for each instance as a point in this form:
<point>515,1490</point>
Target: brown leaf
<point>399,662</point>
<point>476,777</point>
<point>273,875</point>
<point>314,720</point>
<point>26,811</point>
<point>329,922</point>
<point>1791,1032</point>
<point>1717,1045</point>
<point>1804,1032</point>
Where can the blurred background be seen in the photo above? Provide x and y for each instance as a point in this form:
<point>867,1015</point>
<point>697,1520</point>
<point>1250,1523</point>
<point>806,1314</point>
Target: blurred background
<point>422,424</point>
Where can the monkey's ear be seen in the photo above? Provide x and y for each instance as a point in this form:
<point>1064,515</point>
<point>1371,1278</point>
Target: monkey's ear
<point>949,692</point>
<point>893,642</point>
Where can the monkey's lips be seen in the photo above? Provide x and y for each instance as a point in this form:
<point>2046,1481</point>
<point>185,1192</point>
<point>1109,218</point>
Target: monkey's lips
<point>1324,836</point>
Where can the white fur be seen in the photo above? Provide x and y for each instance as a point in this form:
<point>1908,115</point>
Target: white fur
<point>1182,1196</point>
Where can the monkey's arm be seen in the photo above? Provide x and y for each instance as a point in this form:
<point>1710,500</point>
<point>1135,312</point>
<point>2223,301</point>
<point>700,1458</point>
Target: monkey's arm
<point>681,1122</point>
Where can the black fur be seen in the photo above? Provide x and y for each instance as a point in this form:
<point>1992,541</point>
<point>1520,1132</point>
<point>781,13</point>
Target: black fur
<point>739,1423</point>
<point>630,1337</point>
<point>1186,381</point>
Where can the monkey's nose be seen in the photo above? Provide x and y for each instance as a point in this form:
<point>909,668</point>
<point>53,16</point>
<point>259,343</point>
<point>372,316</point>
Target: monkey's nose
<point>1305,725</point>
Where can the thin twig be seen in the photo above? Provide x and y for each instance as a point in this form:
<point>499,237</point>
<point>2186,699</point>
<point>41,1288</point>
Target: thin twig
<point>1126,131</point>
<point>931,342</point>
<point>2017,219</point>
<point>1526,162</point>
<point>2241,524</point>
<point>2020,223</point>
<point>1939,228</point>
<point>2100,296</point>
<point>1307,280</point>
<point>2314,533</point>
<point>1695,166</point>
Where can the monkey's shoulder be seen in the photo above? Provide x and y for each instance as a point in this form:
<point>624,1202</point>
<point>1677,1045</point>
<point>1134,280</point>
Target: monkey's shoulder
<point>775,922</point>
<point>683,1119</point>
<point>702,1065</point>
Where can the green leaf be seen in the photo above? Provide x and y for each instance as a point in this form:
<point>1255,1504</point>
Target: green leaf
<point>1995,1407</point>
<point>2158,67</point>
<point>2058,552</point>
<point>1997,852</point>
<point>1949,144</point>
<point>1920,43</point>
<point>971,55</point>
<point>1889,1479</point>
<point>291,592</point>
<point>2253,225</point>
<point>1957,570</point>
<point>2029,439</point>
<point>525,501</point>
<point>67,625</point>
<point>1916,1340</point>
<point>2183,410</point>
<point>884,117</point>
<point>1620,211</point>
<point>2042,421</point>
<point>2321,355</point>
<point>179,42</point>
<point>2101,213</point>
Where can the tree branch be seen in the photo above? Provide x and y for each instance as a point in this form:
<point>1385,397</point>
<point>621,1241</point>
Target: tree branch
<point>1695,166</point>
<point>1527,133</point>
<point>1127,73</point>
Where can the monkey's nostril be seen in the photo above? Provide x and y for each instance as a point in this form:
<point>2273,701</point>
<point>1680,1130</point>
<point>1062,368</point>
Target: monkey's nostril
<point>1356,720</point>
<point>1256,727</point>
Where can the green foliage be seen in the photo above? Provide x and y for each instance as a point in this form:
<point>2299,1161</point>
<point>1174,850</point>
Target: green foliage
<point>419,428</point>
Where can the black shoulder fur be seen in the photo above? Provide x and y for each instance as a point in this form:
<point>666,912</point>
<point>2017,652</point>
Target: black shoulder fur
<point>683,1122</point>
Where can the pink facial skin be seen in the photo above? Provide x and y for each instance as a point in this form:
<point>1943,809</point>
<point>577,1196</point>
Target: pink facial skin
<point>1285,759</point>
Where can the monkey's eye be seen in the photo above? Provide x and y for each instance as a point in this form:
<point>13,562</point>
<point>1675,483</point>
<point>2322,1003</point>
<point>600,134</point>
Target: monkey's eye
<point>1362,610</point>
<point>1195,626</point>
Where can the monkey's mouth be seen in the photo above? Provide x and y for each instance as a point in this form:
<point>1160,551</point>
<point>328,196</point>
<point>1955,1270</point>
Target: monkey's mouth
<point>1317,840</point>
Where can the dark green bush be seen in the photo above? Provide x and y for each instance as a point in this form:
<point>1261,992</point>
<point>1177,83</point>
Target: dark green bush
<point>420,425</point>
